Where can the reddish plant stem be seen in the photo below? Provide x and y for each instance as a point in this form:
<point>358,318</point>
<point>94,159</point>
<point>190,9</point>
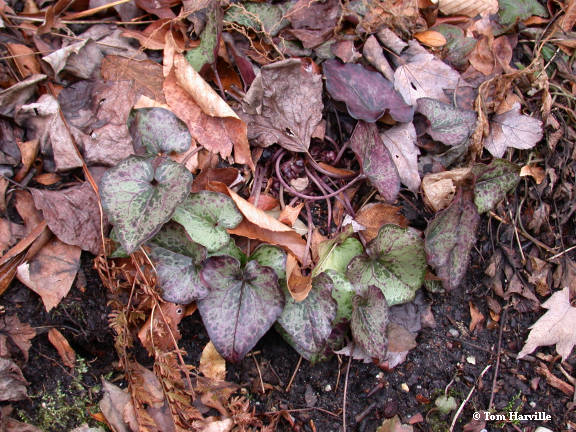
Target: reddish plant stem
<point>318,183</point>
<point>311,197</point>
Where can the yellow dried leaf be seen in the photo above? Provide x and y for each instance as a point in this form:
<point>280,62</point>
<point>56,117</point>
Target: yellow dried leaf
<point>431,38</point>
<point>469,8</point>
<point>212,365</point>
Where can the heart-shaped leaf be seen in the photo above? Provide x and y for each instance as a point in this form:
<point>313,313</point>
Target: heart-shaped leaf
<point>493,182</point>
<point>450,237</point>
<point>206,216</point>
<point>369,322</point>
<point>343,292</point>
<point>307,325</point>
<point>395,263</point>
<point>336,254</point>
<point>449,125</point>
<point>376,160</point>
<point>367,95</point>
<point>158,131</point>
<point>271,256</point>
<point>140,194</point>
<point>177,261</point>
<point>241,306</point>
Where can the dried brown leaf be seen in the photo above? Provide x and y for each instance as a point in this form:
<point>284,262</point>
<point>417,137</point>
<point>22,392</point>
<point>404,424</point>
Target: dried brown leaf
<point>534,171</point>
<point>439,188</point>
<point>10,233</point>
<point>24,58</point>
<point>12,98</point>
<point>298,284</point>
<point>212,365</point>
<point>372,216</point>
<point>401,143</point>
<point>467,7</point>
<point>64,349</point>
<point>431,38</point>
<point>13,332</point>
<point>73,215</point>
<point>161,328</point>
<point>476,317</point>
<point>51,272</point>
<point>12,382</point>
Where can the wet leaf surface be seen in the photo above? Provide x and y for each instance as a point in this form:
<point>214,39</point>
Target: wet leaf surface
<point>307,324</point>
<point>368,95</point>
<point>205,216</point>
<point>242,304</point>
<point>449,238</point>
<point>139,195</point>
<point>395,263</point>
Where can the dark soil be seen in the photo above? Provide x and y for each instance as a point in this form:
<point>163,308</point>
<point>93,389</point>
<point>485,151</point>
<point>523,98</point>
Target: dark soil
<point>447,360</point>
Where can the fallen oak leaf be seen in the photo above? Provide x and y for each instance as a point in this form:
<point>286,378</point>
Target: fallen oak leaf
<point>212,365</point>
<point>555,327</point>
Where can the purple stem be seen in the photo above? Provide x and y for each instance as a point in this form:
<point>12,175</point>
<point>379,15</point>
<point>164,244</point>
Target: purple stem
<point>320,185</point>
<point>312,197</point>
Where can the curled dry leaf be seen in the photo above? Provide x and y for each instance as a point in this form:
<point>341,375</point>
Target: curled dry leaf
<point>534,171</point>
<point>259,225</point>
<point>159,328</point>
<point>299,285</point>
<point>284,105</point>
<point>512,129</point>
<point>51,272</point>
<point>64,349</point>
<point>439,188</point>
<point>15,96</point>
<point>45,124</point>
<point>212,365</point>
<point>476,317</point>
<point>467,7</point>
<point>431,38</point>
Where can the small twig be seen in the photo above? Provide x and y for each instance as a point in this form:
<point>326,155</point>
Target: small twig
<point>565,251</point>
<point>293,375</point>
<point>498,352</point>
<point>465,401</point>
<point>345,393</point>
<point>365,413</point>
<point>259,374</point>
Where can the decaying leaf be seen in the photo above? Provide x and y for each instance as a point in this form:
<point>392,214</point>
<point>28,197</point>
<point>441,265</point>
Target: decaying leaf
<point>450,237</point>
<point>139,195</point>
<point>376,160</point>
<point>439,188</point>
<point>394,424</point>
<point>51,272</point>
<point>512,129</point>
<point>12,382</point>
<point>16,333</point>
<point>422,75</point>
<point>12,98</point>
<point>72,214</point>
<point>284,105</point>
<point>395,263</point>
<point>400,141</point>
<point>206,215</point>
<point>306,325</point>
<point>259,17</point>
<point>177,261</point>
<point>242,304</point>
<point>555,327</point>
<point>369,322</point>
<point>313,22</point>
<point>367,95</point>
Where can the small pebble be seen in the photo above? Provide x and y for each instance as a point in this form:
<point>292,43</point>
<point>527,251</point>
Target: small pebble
<point>453,332</point>
<point>405,388</point>
<point>328,388</point>
<point>471,360</point>
<point>533,404</point>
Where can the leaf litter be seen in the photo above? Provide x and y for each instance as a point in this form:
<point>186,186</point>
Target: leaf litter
<point>218,197</point>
